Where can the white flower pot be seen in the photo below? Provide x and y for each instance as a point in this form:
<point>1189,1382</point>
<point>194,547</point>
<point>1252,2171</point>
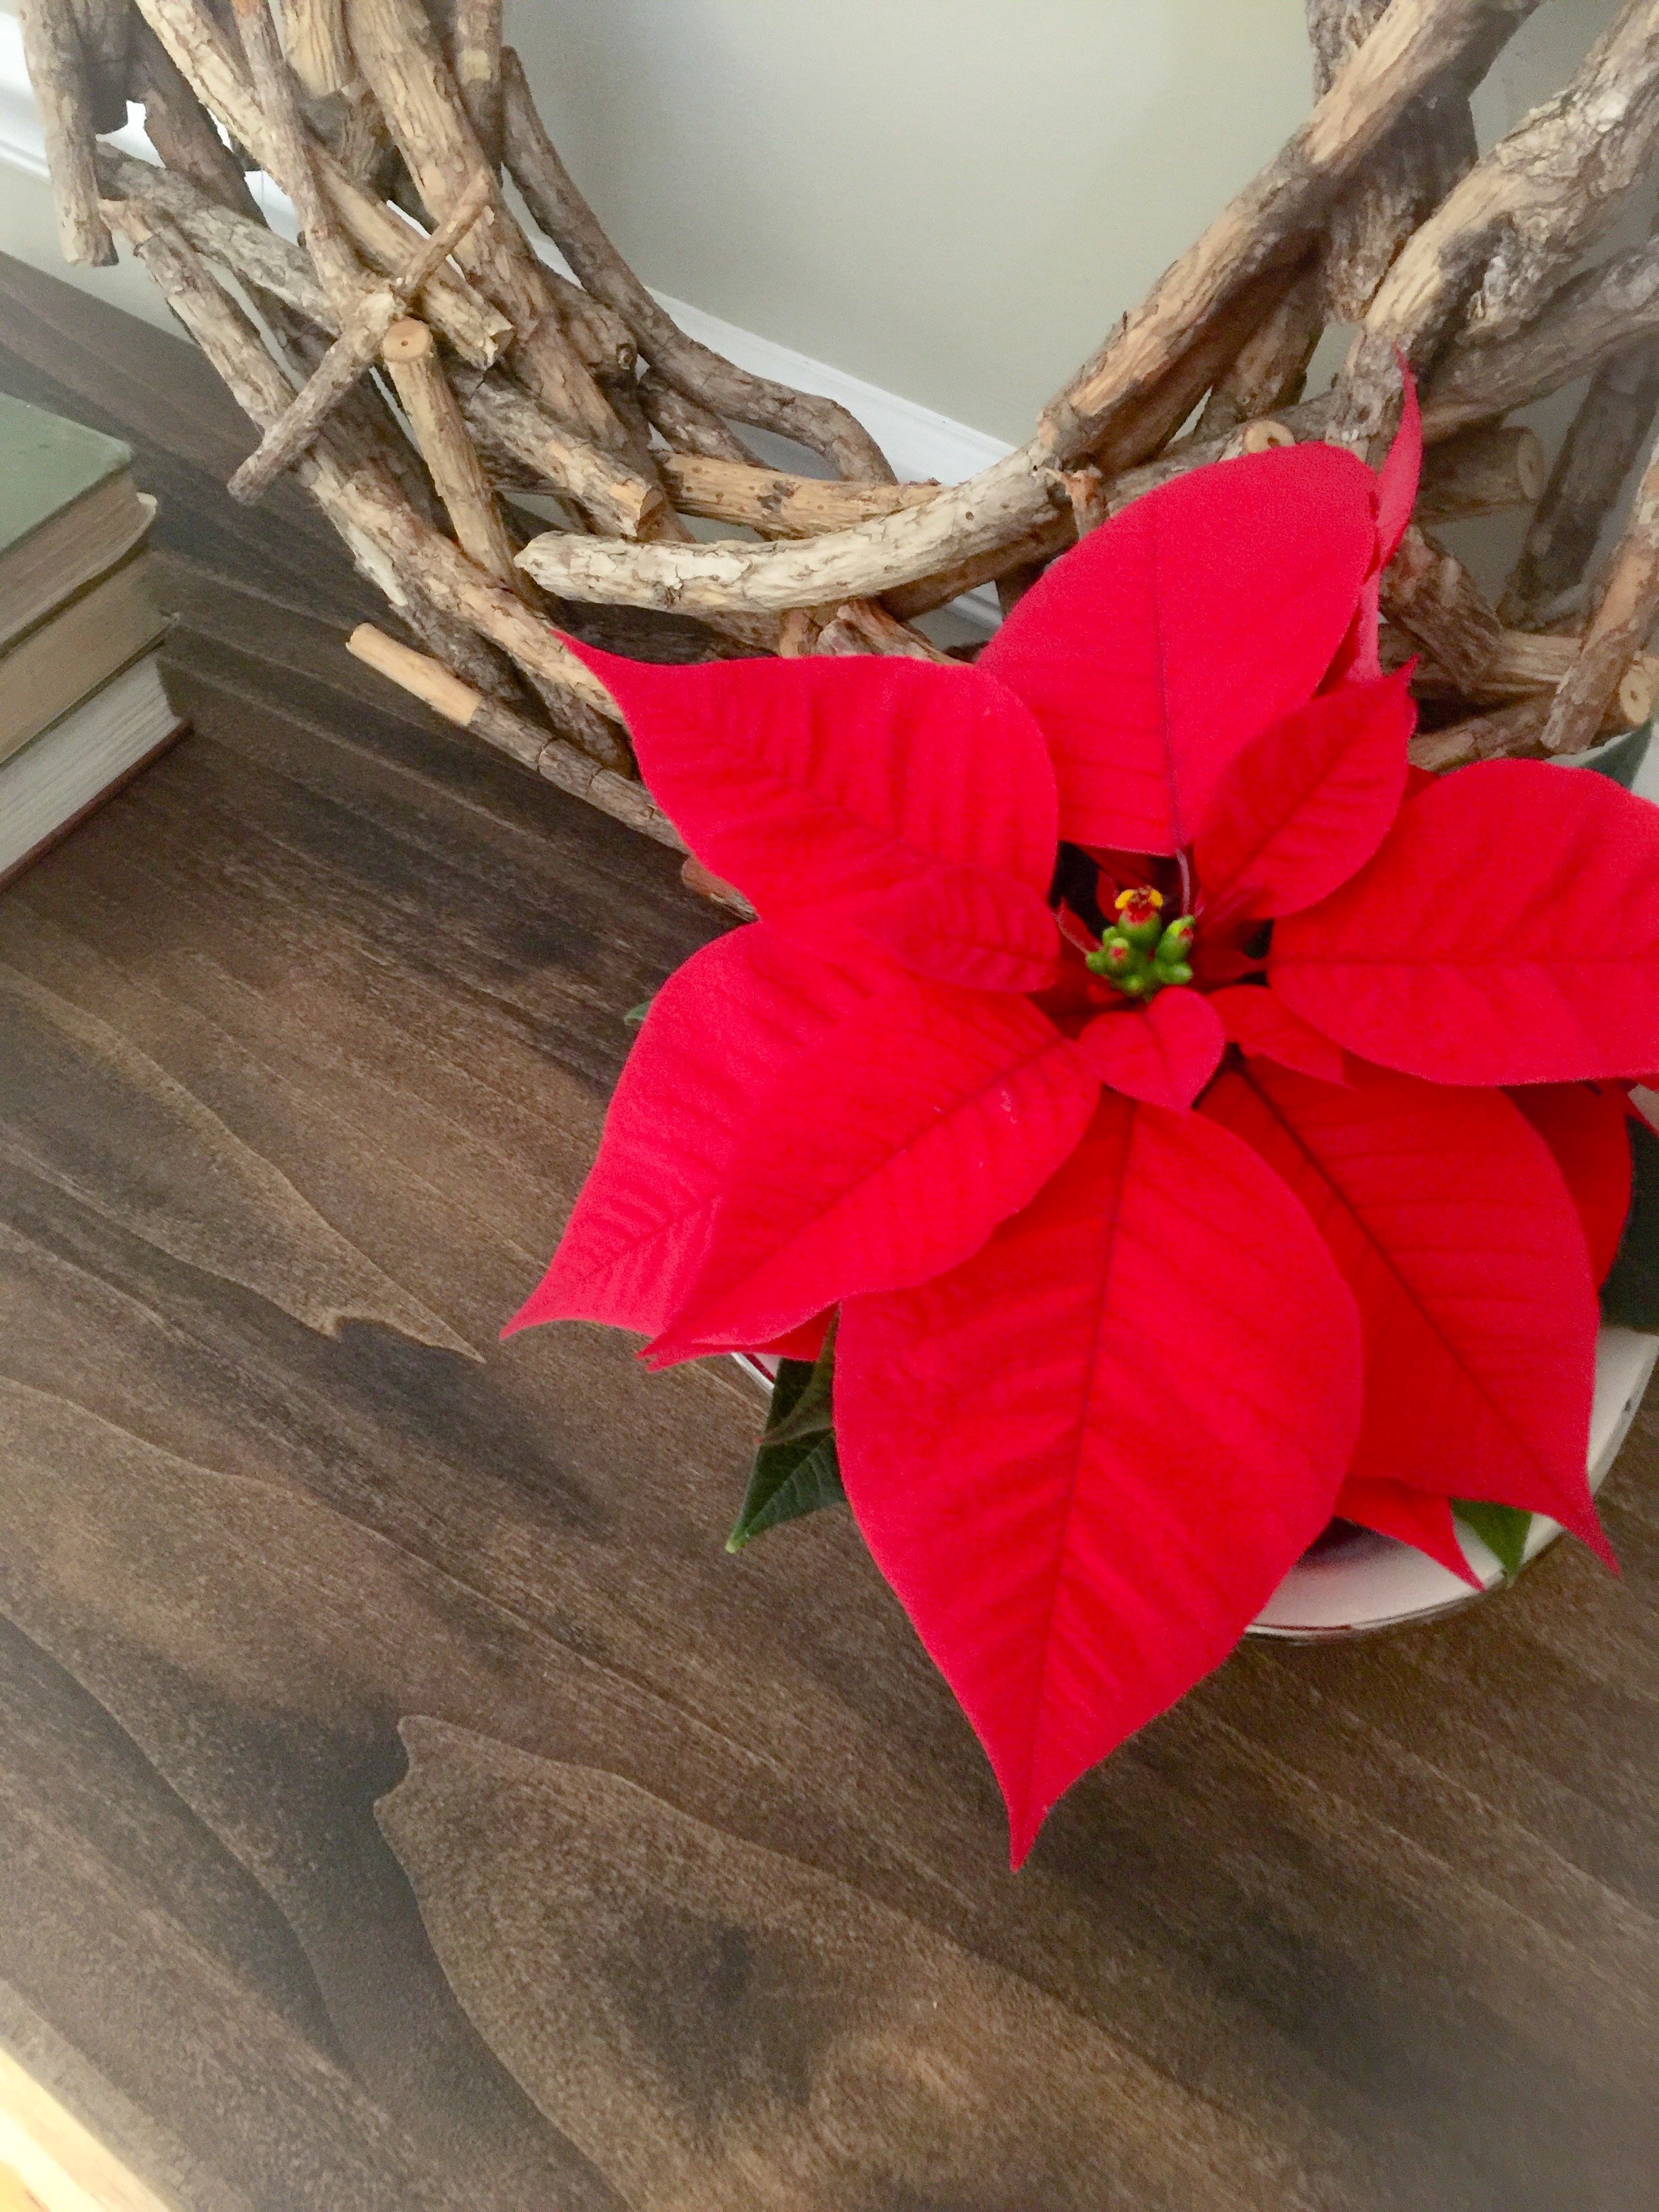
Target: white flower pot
<point>1353,1582</point>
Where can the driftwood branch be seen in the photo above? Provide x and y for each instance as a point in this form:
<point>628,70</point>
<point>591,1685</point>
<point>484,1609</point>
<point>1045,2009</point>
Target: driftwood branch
<point>1432,597</point>
<point>1419,45</point>
<point>688,426</point>
<point>398,51</point>
<point>257,256</point>
<point>865,626</point>
<point>997,507</point>
<point>779,504</point>
<point>318,47</point>
<point>559,761</point>
<point>58,72</point>
<point>104,30</point>
<point>1627,606</point>
<point>363,328</point>
<point>1503,240</point>
<point>599,336</point>
<point>290,145</point>
<point>460,649</point>
<point>1517,731</point>
<point>1614,424</point>
<point>200,50</point>
<point>1526,666</point>
<point>384,535</point>
<point>475,52</point>
<point>1512,732</point>
<point>440,432</point>
<point>1430,147</point>
<point>1589,318</point>
<point>1485,471</point>
<point>1051,533</point>
<point>550,194</point>
<point>508,421</point>
<point>1269,367</point>
<point>180,129</point>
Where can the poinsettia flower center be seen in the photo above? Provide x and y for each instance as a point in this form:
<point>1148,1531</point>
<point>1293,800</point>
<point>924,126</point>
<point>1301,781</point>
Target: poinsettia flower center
<point>1140,952</point>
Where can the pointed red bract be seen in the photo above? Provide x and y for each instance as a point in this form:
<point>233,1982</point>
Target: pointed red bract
<point>1084,1459</point>
<point>1168,636</point>
<point>721,1029</point>
<point>913,802</point>
<point>1164,1052</point>
<point>1453,1229</point>
<point>1397,479</point>
<point>1584,1126</point>
<point>1263,1028</point>
<point>961,926</point>
<point>1304,805</point>
<point>1507,932</point>
<point>1358,659</point>
<point>1417,1517</point>
<point>900,1141</point>
<point>805,1342</point>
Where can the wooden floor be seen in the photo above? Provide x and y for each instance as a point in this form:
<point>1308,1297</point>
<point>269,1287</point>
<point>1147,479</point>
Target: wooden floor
<point>405,1804</point>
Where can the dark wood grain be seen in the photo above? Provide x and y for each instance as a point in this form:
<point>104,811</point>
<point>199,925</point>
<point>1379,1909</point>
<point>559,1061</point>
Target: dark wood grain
<point>404,1802</point>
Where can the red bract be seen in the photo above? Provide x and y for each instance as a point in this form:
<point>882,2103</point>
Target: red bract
<point>1150,1261</point>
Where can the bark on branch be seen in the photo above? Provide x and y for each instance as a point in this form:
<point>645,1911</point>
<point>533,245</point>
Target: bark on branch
<point>1428,150</point>
<point>1626,609</point>
<point>1613,426</point>
<point>777,503</point>
<point>398,51</point>
<point>252,252</point>
<point>180,129</point>
<point>997,507</point>
<point>1588,320</point>
<point>508,421</point>
<point>440,432</point>
<point>1504,239</point>
<point>318,46</point>
<point>475,53</point>
<point>386,537</point>
<point>103,28</point>
<point>364,325</point>
<point>199,50</point>
<point>57,71</point>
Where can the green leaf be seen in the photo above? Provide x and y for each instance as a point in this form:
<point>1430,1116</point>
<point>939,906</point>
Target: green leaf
<point>796,1479</point>
<point>1630,1296</point>
<point>636,1015</point>
<point>796,1470</point>
<point>808,1414</point>
<point>1620,758</point>
<point>1504,1530</point>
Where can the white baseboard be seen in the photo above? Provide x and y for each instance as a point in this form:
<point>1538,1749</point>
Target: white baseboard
<point>920,442</point>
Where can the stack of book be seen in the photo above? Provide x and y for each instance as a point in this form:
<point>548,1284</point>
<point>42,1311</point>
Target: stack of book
<point>82,706</point>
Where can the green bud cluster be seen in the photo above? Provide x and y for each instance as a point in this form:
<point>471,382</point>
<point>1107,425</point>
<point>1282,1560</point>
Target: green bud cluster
<point>1139,957</point>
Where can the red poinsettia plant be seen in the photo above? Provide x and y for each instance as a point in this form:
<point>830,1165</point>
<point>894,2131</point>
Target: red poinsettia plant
<point>1167,1119</point>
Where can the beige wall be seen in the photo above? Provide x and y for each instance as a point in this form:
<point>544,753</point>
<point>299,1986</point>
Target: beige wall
<point>951,198</point>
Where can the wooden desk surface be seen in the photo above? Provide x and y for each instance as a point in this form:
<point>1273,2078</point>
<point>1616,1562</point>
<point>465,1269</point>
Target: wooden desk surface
<point>405,1801</point>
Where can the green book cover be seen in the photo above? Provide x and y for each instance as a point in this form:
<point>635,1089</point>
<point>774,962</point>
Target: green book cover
<point>46,465</point>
